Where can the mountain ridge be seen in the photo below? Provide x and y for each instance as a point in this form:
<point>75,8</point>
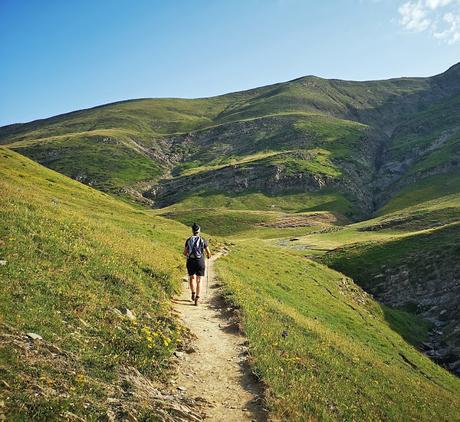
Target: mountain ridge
<point>454,67</point>
<point>309,118</point>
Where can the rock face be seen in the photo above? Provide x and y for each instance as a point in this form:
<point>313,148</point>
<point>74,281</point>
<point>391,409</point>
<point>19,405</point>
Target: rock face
<point>272,176</point>
<point>34,336</point>
<point>257,177</point>
<point>238,179</point>
<point>429,283</point>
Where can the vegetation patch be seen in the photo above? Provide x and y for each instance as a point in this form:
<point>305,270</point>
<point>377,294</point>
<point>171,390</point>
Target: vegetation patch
<point>91,277</point>
<point>364,260</point>
<point>105,163</point>
<point>324,348</point>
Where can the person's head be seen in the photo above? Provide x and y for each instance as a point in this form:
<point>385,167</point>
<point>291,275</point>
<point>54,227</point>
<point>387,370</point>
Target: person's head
<point>196,229</point>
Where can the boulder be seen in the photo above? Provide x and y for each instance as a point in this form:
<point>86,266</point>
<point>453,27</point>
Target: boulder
<point>34,336</point>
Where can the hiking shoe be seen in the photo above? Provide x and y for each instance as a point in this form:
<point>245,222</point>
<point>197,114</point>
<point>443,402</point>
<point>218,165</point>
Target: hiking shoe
<point>196,300</point>
<point>193,296</point>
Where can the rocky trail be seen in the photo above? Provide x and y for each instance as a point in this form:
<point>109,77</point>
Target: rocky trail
<point>216,372</point>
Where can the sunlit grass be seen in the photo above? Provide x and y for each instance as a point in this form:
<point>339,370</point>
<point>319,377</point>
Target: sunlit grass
<point>75,259</point>
<point>341,360</point>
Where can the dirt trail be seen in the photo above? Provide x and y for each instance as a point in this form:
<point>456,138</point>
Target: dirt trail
<point>217,370</point>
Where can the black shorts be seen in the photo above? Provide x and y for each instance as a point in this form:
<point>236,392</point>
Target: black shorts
<point>196,266</point>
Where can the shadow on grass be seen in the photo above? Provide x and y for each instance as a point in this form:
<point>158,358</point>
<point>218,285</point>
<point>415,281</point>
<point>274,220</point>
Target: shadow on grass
<point>411,327</point>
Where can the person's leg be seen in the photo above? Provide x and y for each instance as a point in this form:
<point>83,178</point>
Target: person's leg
<point>192,286</point>
<point>198,279</point>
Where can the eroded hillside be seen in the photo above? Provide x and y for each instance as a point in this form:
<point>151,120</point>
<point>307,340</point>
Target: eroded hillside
<point>362,141</point>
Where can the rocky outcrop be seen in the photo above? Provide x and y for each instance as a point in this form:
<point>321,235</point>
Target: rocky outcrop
<point>395,173</point>
<point>261,176</point>
<point>268,133</point>
<point>270,179</point>
<point>428,284</point>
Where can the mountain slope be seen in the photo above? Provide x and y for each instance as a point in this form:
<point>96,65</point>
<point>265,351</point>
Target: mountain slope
<point>77,259</point>
<point>73,260</point>
<point>325,349</point>
<point>407,259</point>
<point>355,139</point>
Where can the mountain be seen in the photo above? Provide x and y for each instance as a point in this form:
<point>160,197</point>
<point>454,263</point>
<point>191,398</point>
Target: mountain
<point>339,205</point>
<point>350,145</point>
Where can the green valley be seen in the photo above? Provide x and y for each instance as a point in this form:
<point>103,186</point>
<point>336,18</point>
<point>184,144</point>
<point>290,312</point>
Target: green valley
<point>336,204</point>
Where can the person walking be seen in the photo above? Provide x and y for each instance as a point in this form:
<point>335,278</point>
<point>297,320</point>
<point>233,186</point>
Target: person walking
<point>195,249</point>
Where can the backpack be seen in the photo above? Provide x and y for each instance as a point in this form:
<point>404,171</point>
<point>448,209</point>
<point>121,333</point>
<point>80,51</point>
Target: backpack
<point>195,246</point>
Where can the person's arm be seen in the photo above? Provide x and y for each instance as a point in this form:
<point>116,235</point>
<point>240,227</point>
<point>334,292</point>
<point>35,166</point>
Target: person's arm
<point>186,248</point>
<point>208,252</point>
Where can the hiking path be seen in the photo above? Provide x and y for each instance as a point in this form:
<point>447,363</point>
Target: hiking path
<point>217,371</point>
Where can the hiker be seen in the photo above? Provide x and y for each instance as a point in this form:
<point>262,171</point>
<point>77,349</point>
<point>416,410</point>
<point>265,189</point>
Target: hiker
<point>195,248</point>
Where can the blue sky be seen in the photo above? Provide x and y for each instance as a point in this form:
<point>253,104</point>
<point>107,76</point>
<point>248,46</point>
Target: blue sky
<point>59,56</point>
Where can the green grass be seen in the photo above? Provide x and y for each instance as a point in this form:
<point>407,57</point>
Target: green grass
<point>220,222</point>
<point>144,116</point>
<point>105,162</point>
<point>406,215</point>
<point>415,133</point>
<point>312,94</point>
<point>428,257</point>
<point>342,359</point>
<point>428,189</point>
<point>411,327</point>
<point>363,260</point>
<point>252,224</point>
<point>442,156</point>
<point>315,161</point>
<point>296,202</point>
<point>193,167</point>
<point>329,240</point>
<point>74,255</point>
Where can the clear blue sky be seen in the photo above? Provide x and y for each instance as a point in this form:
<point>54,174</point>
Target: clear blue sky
<point>63,55</point>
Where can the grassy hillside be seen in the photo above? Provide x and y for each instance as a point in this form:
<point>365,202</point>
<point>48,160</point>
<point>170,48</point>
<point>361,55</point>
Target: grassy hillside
<point>77,258</point>
<point>241,223</point>
<point>280,171</point>
<point>407,259</point>
<point>107,160</point>
<point>73,259</point>
<point>361,140</point>
<point>364,260</point>
<point>423,150</point>
<point>406,215</point>
<point>147,116</point>
<point>430,190</point>
<point>341,358</point>
<point>111,146</point>
<point>417,273</point>
<point>280,146</point>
